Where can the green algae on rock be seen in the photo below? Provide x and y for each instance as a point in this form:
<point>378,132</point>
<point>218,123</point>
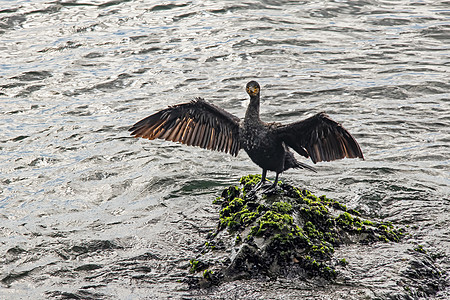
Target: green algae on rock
<point>290,231</point>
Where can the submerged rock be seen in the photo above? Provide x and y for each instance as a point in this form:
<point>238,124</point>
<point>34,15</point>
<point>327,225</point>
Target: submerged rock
<point>288,232</point>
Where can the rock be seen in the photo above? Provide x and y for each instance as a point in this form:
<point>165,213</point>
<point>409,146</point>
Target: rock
<point>288,232</point>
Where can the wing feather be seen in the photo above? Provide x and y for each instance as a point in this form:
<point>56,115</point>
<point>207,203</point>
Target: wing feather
<point>197,123</point>
<point>320,138</point>
<point>181,131</point>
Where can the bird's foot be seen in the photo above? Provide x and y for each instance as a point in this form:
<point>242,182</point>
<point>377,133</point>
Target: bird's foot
<point>259,185</point>
<point>272,189</point>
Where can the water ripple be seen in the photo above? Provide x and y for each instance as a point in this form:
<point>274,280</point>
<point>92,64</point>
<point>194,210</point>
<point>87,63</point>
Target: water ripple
<point>86,210</point>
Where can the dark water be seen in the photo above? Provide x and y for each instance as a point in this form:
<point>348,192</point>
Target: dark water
<point>88,212</point>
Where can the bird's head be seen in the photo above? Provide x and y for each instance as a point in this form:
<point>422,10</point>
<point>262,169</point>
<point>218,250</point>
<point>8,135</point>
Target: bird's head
<point>252,88</point>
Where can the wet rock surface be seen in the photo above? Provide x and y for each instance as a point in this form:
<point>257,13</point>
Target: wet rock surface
<point>290,232</point>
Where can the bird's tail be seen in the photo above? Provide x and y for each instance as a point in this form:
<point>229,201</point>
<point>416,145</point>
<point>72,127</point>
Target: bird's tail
<point>300,165</point>
<point>291,162</point>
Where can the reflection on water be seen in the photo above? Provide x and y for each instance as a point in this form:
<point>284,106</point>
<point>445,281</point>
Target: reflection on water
<point>88,212</point>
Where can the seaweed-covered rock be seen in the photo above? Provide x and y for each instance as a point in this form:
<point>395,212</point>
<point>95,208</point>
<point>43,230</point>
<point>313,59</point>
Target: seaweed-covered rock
<point>287,232</point>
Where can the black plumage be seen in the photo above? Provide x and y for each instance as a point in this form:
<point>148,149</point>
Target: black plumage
<point>199,123</point>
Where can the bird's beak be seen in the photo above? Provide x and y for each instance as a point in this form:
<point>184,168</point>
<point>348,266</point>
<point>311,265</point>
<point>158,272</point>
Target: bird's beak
<point>253,91</point>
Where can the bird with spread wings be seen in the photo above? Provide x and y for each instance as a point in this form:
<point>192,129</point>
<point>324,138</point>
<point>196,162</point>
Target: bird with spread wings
<point>199,123</point>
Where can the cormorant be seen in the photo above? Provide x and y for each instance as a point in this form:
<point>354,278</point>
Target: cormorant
<point>199,123</point>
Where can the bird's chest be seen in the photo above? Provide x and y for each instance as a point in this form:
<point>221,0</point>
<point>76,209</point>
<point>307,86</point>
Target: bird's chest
<point>254,139</point>
<point>260,143</point>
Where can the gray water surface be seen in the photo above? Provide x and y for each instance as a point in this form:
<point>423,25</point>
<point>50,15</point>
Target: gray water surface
<point>87,212</point>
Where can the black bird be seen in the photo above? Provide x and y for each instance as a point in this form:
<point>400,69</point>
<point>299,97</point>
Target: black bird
<point>199,123</point>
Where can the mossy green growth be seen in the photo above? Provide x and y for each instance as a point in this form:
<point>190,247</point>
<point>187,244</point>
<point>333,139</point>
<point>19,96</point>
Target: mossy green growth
<point>238,212</point>
<point>343,262</point>
<point>228,194</point>
<point>345,219</point>
<point>238,239</point>
<point>209,245</point>
<point>383,231</point>
<point>196,266</point>
<point>419,248</point>
<point>207,274</point>
<point>250,179</point>
<point>311,231</point>
<point>387,232</point>
<point>293,226</point>
<point>272,222</point>
<point>282,207</point>
<point>322,250</point>
<point>248,182</point>
<point>316,267</point>
<point>230,214</point>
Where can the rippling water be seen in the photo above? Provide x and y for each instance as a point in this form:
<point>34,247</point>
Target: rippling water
<point>88,212</point>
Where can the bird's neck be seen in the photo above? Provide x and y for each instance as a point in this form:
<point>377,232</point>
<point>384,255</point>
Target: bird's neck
<point>252,113</point>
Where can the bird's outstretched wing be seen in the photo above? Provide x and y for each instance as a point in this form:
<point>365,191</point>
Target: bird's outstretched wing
<point>197,123</point>
<point>320,138</point>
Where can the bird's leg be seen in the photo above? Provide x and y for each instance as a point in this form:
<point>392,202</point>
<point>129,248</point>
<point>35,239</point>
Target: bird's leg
<point>275,182</point>
<point>273,186</point>
<point>263,179</point>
